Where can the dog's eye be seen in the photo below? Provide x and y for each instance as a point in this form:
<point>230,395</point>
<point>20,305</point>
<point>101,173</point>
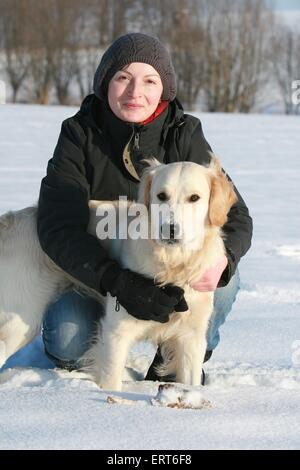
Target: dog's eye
<point>194,198</point>
<point>162,196</point>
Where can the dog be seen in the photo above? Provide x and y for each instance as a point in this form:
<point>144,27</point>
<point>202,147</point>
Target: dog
<point>198,199</point>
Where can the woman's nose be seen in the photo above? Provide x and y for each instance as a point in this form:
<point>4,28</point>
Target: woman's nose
<point>134,89</point>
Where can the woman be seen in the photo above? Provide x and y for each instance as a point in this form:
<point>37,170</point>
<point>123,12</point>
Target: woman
<point>132,114</point>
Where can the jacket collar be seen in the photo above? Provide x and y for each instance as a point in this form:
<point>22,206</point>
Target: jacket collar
<point>129,142</point>
<point>91,110</point>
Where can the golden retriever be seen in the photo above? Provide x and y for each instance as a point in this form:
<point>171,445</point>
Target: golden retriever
<point>197,200</point>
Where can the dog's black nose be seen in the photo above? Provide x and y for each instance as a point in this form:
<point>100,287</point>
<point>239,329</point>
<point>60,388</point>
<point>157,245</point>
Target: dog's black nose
<point>170,232</point>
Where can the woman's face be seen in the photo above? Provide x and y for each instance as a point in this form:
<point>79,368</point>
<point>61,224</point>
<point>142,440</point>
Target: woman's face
<point>134,92</point>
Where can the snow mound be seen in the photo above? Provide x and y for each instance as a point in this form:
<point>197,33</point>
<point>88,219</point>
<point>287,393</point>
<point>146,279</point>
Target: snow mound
<point>168,395</point>
<point>291,251</point>
<point>176,396</point>
<point>222,375</point>
<point>34,377</point>
<point>269,294</point>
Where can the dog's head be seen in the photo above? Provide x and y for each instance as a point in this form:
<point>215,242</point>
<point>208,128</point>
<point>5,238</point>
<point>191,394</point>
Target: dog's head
<point>183,199</point>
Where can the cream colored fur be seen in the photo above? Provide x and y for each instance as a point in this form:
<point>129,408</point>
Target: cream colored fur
<point>29,280</point>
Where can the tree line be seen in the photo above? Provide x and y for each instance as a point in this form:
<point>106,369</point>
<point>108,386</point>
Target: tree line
<point>224,52</point>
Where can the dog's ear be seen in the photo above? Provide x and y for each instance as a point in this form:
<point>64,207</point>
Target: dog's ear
<point>146,180</point>
<point>222,195</point>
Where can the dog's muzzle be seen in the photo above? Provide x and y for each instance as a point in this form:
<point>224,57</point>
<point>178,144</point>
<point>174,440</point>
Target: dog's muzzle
<point>170,233</point>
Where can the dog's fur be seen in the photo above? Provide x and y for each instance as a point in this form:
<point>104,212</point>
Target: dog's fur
<point>29,280</point>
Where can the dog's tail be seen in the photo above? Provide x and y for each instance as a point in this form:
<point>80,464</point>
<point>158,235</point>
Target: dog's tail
<point>166,367</point>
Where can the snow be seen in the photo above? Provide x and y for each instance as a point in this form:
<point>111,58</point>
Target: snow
<point>254,374</point>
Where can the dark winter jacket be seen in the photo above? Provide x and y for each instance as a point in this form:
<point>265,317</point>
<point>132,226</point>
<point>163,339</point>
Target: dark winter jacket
<point>88,163</point>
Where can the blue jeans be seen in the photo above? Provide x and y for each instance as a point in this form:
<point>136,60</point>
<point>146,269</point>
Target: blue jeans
<point>71,322</point>
<point>69,326</point>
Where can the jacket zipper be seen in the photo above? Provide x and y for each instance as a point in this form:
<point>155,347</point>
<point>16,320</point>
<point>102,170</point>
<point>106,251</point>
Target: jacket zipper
<point>136,141</point>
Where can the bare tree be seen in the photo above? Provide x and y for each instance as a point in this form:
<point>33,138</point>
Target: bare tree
<point>153,16</point>
<point>13,42</point>
<point>53,46</point>
<point>176,24</point>
<point>109,18</point>
<point>65,44</point>
<point>220,50</point>
<point>286,64</point>
<point>119,12</point>
<point>41,49</point>
<point>235,52</point>
<point>100,22</point>
<point>187,41</point>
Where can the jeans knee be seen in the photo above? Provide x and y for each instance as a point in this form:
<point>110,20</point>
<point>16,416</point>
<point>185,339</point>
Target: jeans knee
<point>69,326</point>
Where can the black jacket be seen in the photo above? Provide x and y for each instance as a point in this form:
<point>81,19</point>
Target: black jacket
<point>88,164</point>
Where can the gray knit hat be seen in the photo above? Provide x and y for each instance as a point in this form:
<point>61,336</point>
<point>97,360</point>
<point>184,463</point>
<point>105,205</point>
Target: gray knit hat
<point>135,47</point>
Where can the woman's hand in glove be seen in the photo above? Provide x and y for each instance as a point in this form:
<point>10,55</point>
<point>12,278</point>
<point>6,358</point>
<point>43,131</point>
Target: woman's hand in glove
<point>140,296</point>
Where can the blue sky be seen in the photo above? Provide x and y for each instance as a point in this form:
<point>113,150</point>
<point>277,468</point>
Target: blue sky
<point>285,4</point>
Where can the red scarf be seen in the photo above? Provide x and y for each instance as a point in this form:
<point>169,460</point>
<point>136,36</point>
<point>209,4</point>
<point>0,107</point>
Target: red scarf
<point>160,108</point>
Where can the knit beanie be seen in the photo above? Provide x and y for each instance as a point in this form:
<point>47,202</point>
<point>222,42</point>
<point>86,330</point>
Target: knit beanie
<point>135,47</point>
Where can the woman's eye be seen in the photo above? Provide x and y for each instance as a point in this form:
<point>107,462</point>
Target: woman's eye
<point>122,77</point>
<point>162,196</point>
<point>194,198</point>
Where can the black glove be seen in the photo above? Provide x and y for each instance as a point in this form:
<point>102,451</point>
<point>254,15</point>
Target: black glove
<point>182,306</point>
<point>140,296</point>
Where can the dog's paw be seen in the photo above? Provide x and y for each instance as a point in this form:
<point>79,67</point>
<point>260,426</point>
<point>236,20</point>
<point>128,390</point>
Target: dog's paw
<point>173,396</point>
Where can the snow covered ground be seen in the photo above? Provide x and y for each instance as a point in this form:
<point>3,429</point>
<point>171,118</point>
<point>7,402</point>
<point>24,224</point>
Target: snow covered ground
<point>253,376</point>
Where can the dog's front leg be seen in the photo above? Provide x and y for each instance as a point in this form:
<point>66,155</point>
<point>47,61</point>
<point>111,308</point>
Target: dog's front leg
<point>190,346</point>
<point>113,353</point>
<point>189,355</point>
<point>108,355</point>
